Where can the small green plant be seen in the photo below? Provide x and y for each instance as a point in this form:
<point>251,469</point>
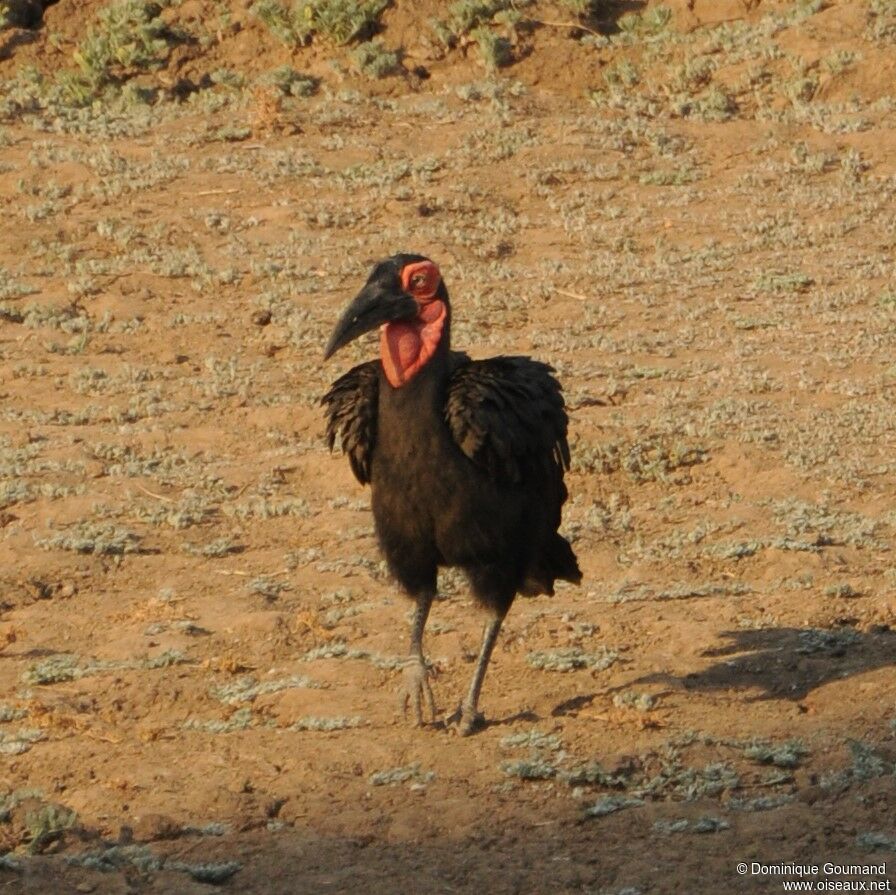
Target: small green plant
<point>329,725</point>
<point>9,713</point>
<point>54,669</point>
<point>227,77</point>
<point>494,49</point>
<point>780,283</point>
<point>843,591</point>
<point>129,37</point>
<point>705,824</point>
<point>714,104</point>
<point>267,587</point>
<point>839,62</point>
<point>142,859</point>
<point>676,177</point>
<point>339,21</point>
<point>248,689</point>
<point>653,458</point>
<point>881,21</point>
<point>466,15</point>
<point>621,74</point>
<point>63,667</point>
<point>214,549</point>
<point>339,650</point>
<point>781,755</point>
<point>584,9</point>
<point>372,59</point>
<point>694,72</point>
<point>214,873</point>
<point>572,659</point>
<point>651,22</point>
<point>241,719</point>
<point>12,287</point>
<point>641,702</point>
<point>533,739</point>
<point>102,539</point>
<point>593,774</point>
<point>46,824</point>
<point>291,82</point>
<point>534,769</point>
<point>473,18</point>
<point>410,773</point>
<point>610,805</point>
<point>20,741</point>
<point>876,841</point>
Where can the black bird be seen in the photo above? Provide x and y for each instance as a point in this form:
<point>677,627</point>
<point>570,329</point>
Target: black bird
<point>465,460</point>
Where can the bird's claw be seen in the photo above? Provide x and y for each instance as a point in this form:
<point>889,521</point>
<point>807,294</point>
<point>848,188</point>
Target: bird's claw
<point>415,690</point>
<point>465,721</point>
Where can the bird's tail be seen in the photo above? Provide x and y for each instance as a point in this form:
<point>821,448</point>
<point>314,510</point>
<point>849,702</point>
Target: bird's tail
<point>557,560</point>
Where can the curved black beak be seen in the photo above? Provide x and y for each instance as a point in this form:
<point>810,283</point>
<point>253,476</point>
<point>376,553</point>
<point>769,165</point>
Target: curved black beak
<point>373,306</point>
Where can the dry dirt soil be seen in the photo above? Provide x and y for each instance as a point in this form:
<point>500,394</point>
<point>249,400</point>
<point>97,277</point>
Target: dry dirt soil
<point>692,217</point>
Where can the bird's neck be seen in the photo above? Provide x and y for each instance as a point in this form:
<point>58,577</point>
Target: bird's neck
<point>407,346</point>
<point>408,416</point>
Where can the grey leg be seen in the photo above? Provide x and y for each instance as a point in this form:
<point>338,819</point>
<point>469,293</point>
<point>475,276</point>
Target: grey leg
<point>415,689</point>
<point>467,717</point>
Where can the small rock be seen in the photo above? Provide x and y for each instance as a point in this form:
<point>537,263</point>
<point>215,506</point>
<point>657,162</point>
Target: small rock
<point>261,317</point>
<point>810,794</point>
<point>151,827</point>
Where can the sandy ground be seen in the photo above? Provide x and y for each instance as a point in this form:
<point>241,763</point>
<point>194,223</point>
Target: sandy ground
<point>198,641</point>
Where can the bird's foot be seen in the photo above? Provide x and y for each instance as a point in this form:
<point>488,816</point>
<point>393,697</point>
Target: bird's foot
<point>464,721</point>
<point>415,689</point>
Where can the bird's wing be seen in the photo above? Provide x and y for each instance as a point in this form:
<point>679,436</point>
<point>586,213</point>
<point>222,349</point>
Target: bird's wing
<point>351,408</point>
<point>507,415</point>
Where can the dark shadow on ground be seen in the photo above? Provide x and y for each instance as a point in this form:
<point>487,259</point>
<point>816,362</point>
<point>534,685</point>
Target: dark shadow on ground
<point>12,41</point>
<point>609,13</point>
<point>787,663</point>
<point>631,850</point>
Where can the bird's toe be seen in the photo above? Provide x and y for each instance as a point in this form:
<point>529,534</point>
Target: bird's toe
<point>415,692</point>
<point>464,721</point>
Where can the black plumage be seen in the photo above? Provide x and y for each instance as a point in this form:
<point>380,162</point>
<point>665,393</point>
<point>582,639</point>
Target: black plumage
<point>465,460</point>
<point>351,406</point>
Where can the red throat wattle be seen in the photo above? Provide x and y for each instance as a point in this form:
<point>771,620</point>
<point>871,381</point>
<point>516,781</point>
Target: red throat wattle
<point>406,345</point>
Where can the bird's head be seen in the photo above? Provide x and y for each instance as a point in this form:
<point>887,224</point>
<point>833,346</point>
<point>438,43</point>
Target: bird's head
<point>406,297</point>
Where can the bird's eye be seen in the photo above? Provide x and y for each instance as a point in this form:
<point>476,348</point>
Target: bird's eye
<point>421,279</point>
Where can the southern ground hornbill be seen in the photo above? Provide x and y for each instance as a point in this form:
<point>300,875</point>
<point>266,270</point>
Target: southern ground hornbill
<point>465,460</point>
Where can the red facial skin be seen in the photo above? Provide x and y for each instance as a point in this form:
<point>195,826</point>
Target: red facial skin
<point>406,345</point>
